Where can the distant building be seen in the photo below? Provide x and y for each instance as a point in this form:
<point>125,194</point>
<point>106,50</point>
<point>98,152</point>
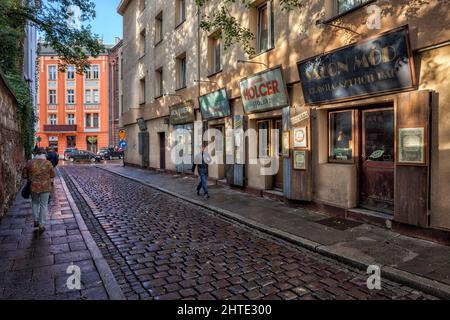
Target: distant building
<point>73,108</point>
<point>114,91</point>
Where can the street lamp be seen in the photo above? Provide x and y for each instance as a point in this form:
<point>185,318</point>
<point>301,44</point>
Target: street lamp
<point>253,62</point>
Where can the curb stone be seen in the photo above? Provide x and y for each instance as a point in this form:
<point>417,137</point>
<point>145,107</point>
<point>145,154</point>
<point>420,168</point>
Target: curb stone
<point>112,288</point>
<point>426,285</point>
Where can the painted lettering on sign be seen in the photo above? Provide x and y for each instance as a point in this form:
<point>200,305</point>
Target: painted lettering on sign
<point>264,91</point>
<point>379,65</point>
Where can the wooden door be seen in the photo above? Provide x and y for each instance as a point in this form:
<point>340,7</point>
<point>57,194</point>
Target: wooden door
<point>162,150</point>
<point>279,177</point>
<point>378,160</point>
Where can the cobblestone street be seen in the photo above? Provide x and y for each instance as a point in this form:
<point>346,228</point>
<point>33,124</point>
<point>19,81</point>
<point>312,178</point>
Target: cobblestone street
<point>161,247</point>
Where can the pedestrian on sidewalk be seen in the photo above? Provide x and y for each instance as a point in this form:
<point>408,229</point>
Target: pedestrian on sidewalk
<point>202,160</point>
<point>39,172</point>
<point>53,157</point>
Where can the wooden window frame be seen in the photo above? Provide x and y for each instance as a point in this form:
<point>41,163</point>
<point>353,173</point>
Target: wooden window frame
<point>271,36</point>
<point>354,136</point>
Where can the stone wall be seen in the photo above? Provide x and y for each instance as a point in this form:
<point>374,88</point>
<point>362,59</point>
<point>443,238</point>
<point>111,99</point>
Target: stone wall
<point>12,156</point>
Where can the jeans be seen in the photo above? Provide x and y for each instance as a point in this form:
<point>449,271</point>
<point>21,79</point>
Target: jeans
<point>39,204</point>
<point>203,183</point>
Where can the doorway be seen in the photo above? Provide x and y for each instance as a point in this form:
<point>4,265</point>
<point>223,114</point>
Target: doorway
<point>377,167</point>
<point>219,150</point>
<point>265,147</point>
<point>184,135</point>
<point>162,150</point>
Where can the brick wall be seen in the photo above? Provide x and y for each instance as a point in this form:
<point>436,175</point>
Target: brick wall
<point>12,156</point>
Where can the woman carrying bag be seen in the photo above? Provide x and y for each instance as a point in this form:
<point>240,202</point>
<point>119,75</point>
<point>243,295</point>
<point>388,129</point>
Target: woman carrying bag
<point>39,173</point>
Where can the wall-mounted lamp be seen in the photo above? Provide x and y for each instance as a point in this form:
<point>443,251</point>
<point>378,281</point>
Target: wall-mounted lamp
<point>328,23</point>
<point>253,62</point>
<point>171,95</point>
<point>205,81</point>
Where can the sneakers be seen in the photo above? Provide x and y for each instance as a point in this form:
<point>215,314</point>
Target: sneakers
<point>36,224</point>
<point>198,193</point>
<point>207,196</point>
<point>41,228</point>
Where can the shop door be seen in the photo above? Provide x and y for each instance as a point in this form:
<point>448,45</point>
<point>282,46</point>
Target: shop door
<point>377,160</point>
<point>162,150</point>
<point>184,136</point>
<point>220,149</point>
<point>278,179</point>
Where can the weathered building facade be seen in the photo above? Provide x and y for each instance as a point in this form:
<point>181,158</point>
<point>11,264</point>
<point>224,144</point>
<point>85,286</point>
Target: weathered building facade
<point>73,110</point>
<point>12,156</point>
<point>356,90</point>
<point>115,55</point>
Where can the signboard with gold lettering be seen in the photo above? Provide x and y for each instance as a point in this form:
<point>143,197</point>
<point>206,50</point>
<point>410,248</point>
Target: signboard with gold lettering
<point>264,91</point>
<point>378,65</point>
<point>182,113</point>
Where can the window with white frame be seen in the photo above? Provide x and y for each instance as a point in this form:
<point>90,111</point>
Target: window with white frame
<point>91,96</point>
<point>92,120</point>
<point>95,95</point>
<point>70,119</point>
<point>87,72</point>
<point>96,72</point>
<point>52,73</point>
<point>87,96</point>
<point>51,96</point>
<point>70,72</point>
<point>52,119</point>
<point>70,96</point>
<point>343,6</point>
<point>264,29</point>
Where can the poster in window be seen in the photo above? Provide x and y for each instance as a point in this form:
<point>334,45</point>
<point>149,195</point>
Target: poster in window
<point>300,137</point>
<point>286,144</point>
<point>299,159</point>
<point>411,143</point>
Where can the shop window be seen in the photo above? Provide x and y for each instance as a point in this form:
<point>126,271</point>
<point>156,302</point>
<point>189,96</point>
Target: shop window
<point>92,143</point>
<point>264,138</point>
<point>159,28</point>
<point>52,96</point>
<point>52,73</point>
<point>341,136</point>
<point>71,142</point>
<point>181,71</point>
<point>264,30</point>
<point>180,12</point>
<point>70,73</point>
<point>343,6</point>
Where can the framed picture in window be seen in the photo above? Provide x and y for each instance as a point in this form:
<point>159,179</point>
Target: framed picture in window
<point>286,144</point>
<point>341,136</point>
<point>300,137</point>
<point>300,159</point>
<point>412,146</point>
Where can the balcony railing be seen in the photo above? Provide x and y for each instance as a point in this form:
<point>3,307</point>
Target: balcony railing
<point>60,128</point>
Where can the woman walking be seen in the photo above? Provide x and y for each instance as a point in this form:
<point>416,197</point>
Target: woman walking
<point>39,172</point>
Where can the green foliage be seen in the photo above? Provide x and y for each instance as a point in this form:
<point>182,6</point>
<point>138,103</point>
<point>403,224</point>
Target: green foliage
<point>232,31</point>
<point>55,19</point>
<point>25,110</point>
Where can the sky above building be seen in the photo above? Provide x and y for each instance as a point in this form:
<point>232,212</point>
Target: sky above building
<point>108,23</point>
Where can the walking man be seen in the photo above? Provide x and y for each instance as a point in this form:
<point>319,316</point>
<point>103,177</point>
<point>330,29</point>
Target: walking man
<point>202,160</point>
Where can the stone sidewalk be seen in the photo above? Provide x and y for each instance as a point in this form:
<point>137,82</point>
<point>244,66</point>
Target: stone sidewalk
<point>34,266</point>
<point>420,264</point>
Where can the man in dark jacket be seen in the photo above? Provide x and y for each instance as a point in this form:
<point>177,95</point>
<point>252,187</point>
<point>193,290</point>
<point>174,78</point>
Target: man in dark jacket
<point>53,157</point>
<point>202,160</point>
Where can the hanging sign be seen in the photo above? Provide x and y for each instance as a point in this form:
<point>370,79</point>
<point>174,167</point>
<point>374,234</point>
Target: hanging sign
<point>215,105</point>
<point>182,113</point>
<point>378,65</point>
<point>264,91</point>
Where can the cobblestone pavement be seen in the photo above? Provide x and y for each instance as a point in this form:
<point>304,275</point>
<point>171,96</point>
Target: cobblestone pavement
<point>33,266</point>
<point>160,247</point>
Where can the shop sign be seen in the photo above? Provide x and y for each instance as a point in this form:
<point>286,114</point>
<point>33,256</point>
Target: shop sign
<point>378,65</point>
<point>300,137</point>
<point>215,105</point>
<point>264,91</point>
<point>182,113</point>
<point>299,118</point>
<point>411,143</point>
<point>299,158</point>
<point>53,139</point>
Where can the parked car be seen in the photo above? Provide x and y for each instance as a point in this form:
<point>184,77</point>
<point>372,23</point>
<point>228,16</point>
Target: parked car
<point>83,155</point>
<point>67,152</point>
<point>110,154</point>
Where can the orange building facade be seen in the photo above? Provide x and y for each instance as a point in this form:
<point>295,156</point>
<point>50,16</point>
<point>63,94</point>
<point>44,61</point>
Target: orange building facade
<point>73,109</point>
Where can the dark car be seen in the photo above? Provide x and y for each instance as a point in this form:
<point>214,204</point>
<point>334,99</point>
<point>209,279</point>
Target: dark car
<point>68,151</point>
<point>110,154</point>
<point>82,155</point>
